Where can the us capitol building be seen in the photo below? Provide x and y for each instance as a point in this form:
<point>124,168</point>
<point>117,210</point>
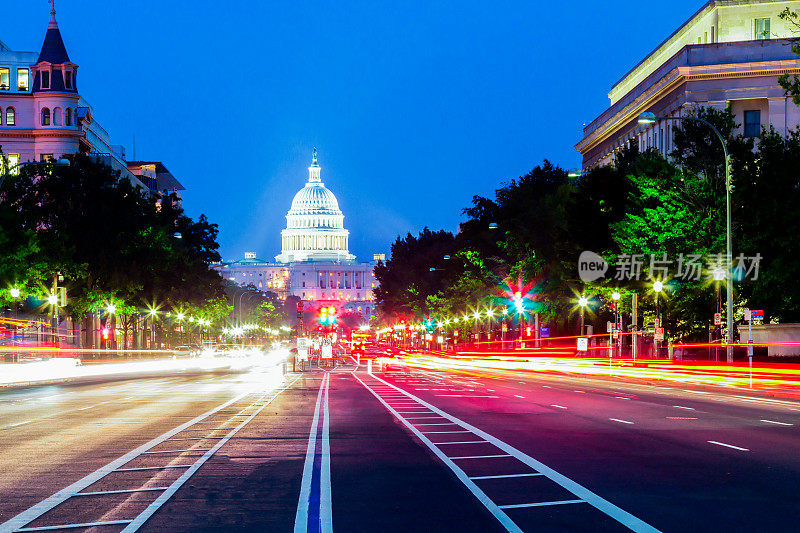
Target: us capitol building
<point>315,264</point>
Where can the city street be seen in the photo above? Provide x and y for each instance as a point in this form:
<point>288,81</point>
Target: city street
<point>405,449</point>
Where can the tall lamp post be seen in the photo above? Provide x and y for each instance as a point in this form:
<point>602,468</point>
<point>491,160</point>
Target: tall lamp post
<point>657,288</point>
<point>651,118</point>
<point>616,296</point>
<point>719,275</point>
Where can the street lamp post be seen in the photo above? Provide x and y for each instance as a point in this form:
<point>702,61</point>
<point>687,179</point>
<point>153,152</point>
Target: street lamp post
<point>657,288</point>
<point>582,303</point>
<point>616,296</point>
<point>651,118</point>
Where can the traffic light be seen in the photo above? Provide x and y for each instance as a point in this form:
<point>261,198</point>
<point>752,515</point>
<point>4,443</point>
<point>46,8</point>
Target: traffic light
<point>299,309</point>
<point>106,331</point>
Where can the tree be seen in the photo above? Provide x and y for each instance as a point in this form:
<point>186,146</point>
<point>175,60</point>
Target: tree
<point>791,84</point>
<point>109,239</point>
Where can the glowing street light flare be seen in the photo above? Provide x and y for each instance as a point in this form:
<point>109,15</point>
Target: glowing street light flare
<point>616,296</point>
<point>180,316</point>
<point>658,286</point>
<point>14,292</point>
<point>583,301</point>
<point>111,309</point>
<point>52,299</point>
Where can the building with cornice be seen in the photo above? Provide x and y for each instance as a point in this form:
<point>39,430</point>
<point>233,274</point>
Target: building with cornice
<point>729,53</point>
<point>315,264</point>
<point>43,116</point>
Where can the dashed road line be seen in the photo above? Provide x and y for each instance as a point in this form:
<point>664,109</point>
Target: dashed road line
<point>729,446</point>
<point>621,421</point>
<point>557,406</point>
<point>776,422</point>
<point>682,407</point>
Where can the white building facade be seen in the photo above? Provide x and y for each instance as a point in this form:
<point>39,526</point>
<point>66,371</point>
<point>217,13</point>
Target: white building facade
<point>315,264</point>
<point>730,53</point>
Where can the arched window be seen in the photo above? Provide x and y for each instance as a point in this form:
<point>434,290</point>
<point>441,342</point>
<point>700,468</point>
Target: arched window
<point>1,116</point>
<point>57,116</point>
<point>45,116</point>
<point>68,117</point>
<point>11,116</point>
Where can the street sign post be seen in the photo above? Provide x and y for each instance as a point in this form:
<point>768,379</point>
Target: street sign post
<point>717,319</point>
<point>659,334</point>
<point>756,314</point>
<point>545,333</point>
<point>583,344</point>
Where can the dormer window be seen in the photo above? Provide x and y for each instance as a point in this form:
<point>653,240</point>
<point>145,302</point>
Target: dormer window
<point>68,79</point>
<point>45,83</point>
<point>22,79</point>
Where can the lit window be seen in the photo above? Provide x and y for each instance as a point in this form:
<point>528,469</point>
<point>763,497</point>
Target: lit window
<point>752,123</point>
<point>23,76</point>
<point>4,83</point>
<point>68,117</point>
<point>45,158</point>
<point>45,117</point>
<point>13,161</point>
<point>45,82</point>
<point>68,79</point>
<point>761,27</point>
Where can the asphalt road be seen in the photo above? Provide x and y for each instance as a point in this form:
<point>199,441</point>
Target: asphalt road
<point>409,449</point>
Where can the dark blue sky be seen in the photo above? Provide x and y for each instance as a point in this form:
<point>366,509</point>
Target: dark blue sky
<point>414,106</point>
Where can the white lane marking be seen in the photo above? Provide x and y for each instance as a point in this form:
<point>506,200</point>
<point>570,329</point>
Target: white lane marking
<point>558,406</point>
<point>539,504</point>
<point>776,422</point>
<point>605,506</point>
<point>467,395</point>
<point>87,407</point>
<point>301,517</point>
<point>443,432</point>
<point>621,421</point>
<point>518,396</point>
<point>682,407</point>
<point>462,442</point>
<point>434,423</point>
<point>524,383</point>
<point>325,500</point>
<point>729,446</point>
<point>547,386</point>
<point>59,497</point>
<point>480,456</point>
<point>621,398</point>
<point>580,391</point>
<point>502,476</point>
<point>19,424</point>
<point>696,391</point>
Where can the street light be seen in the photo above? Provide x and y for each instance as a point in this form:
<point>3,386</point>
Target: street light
<point>582,303</point>
<point>657,288</point>
<point>14,292</point>
<point>616,296</point>
<point>111,309</point>
<point>651,118</point>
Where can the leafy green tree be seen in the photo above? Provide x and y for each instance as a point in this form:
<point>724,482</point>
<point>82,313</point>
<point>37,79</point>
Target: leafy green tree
<point>791,84</point>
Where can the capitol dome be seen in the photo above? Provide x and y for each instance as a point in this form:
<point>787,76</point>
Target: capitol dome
<point>314,224</point>
<point>314,197</point>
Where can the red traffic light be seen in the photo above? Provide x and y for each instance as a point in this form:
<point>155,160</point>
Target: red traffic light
<point>105,333</point>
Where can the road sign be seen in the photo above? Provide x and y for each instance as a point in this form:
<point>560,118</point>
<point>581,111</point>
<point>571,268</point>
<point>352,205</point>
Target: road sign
<point>583,344</point>
<point>327,351</point>
<point>609,326</point>
<point>756,314</point>
<point>717,319</point>
<point>544,333</point>
<point>659,334</point>
<point>505,327</point>
<point>615,333</point>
